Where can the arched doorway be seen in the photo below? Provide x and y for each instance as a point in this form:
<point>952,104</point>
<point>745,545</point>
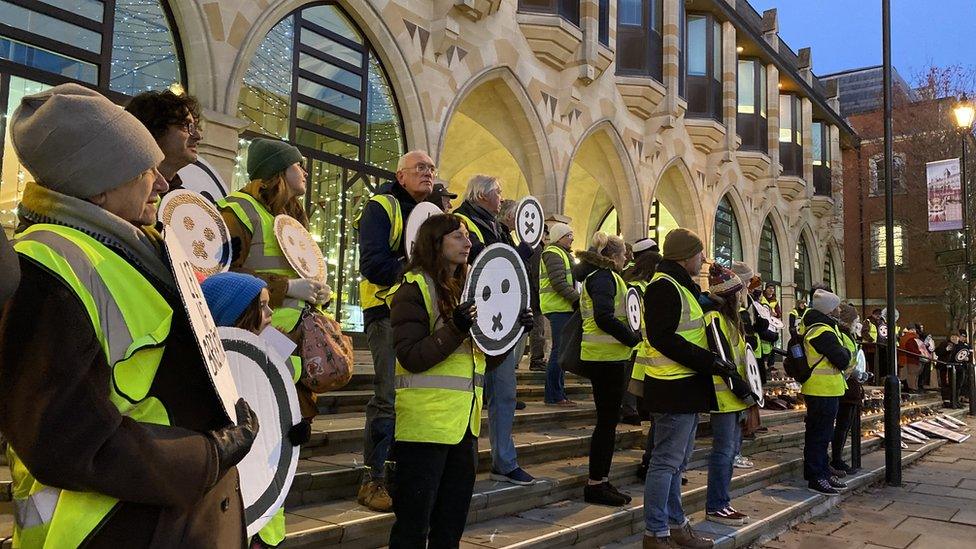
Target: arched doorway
<point>675,203</point>
<point>316,82</point>
<point>770,268</point>
<point>726,238</point>
<point>130,49</point>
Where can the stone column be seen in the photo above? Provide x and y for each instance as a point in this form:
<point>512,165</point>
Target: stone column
<point>219,144</point>
<point>806,115</point>
<point>671,39</point>
<point>730,68</point>
<point>772,110</point>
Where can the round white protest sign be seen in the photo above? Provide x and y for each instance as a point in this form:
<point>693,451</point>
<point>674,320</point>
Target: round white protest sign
<point>300,249</point>
<point>203,178</point>
<point>634,309</point>
<point>529,221</point>
<point>264,380</point>
<point>962,355</point>
<point>753,376</point>
<point>499,287</point>
<point>420,213</point>
<point>197,224</point>
<point>883,330</point>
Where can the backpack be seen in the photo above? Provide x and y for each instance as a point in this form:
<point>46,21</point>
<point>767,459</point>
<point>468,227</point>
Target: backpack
<point>571,344</point>
<point>327,356</point>
<point>795,363</point>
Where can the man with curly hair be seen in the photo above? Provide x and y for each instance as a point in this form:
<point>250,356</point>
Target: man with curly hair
<point>174,122</point>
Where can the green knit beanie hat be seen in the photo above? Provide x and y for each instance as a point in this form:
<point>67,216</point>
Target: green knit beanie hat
<point>267,157</point>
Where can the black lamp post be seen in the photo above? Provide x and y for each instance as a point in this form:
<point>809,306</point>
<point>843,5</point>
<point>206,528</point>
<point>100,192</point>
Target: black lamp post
<point>964,112</point>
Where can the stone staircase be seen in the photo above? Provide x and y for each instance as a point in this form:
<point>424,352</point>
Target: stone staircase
<point>552,445</point>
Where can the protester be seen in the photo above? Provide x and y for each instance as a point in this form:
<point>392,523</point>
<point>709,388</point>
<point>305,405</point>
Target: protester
<point>768,299</point>
<point>751,325</point>
<point>242,301</point>
<point>953,356</point>
<point>537,338</point>
<point>441,197</point>
<point>724,292</point>
<point>104,396</point>
<point>557,300</point>
<point>796,315</point>
<point>912,354</point>
<point>174,122</point>
<point>607,345</point>
<point>849,406</point>
<point>439,393</point>
<point>677,385</point>
<point>381,262</point>
<point>647,255</point>
<point>828,358</point>
<point>482,202</point>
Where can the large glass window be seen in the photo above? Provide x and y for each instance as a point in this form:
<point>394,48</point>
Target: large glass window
<point>820,145</point>
<point>829,274</point>
<point>751,123</point>
<point>639,38</point>
<point>703,62</point>
<point>660,222</point>
<point>879,250</point>
<point>568,9</point>
<point>801,266</point>
<point>769,263</point>
<point>790,134</point>
<point>337,106</point>
<point>876,171</point>
<point>121,52</point>
<point>727,242</point>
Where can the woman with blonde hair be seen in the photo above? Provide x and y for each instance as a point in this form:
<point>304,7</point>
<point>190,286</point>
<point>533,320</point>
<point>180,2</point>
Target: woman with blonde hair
<point>608,341</point>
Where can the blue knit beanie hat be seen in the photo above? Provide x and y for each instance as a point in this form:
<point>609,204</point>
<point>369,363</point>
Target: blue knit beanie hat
<point>229,294</point>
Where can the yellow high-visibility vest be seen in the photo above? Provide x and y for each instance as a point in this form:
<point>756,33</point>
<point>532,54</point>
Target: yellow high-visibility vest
<point>370,294</point>
<point>691,327</point>
<point>597,345</point>
<point>727,401</point>
<point>826,379</point>
<point>549,300</point>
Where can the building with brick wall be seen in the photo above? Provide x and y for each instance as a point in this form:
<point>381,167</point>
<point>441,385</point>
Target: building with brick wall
<point>632,116</point>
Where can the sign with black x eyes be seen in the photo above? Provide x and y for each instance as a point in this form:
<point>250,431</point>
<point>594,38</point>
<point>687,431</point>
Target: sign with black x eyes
<point>529,221</point>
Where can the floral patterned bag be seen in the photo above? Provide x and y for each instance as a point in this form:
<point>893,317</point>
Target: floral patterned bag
<point>327,357</point>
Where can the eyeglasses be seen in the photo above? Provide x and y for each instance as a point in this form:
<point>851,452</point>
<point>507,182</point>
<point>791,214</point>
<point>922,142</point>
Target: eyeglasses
<point>421,169</point>
<point>189,127</point>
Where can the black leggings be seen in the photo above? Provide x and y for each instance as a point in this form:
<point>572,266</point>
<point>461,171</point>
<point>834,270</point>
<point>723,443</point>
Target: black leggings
<point>608,391</point>
<point>842,428</point>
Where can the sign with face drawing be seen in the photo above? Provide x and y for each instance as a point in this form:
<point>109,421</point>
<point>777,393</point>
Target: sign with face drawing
<point>197,224</point>
<point>529,221</point>
<point>499,286</point>
<point>420,213</point>
<point>634,309</point>
<point>300,249</point>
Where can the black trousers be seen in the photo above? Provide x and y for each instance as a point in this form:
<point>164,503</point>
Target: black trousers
<point>608,391</point>
<point>431,489</point>
<point>842,428</point>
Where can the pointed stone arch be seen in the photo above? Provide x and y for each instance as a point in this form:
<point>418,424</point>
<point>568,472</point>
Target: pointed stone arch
<point>601,177</point>
<point>739,211</point>
<point>807,237</point>
<point>783,255</point>
<point>493,128</point>
<point>676,190</point>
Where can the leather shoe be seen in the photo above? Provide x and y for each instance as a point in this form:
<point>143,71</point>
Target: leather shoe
<point>685,537</point>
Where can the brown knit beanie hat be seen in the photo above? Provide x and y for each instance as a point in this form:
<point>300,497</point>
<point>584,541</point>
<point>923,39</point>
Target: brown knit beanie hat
<point>75,141</point>
<point>681,243</point>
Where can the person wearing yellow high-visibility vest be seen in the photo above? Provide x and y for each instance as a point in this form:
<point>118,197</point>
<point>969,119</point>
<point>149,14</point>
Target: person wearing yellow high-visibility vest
<point>828,358</point>
<point>607,345</point>
<point>796,315</point>
<point>440,377</point>
<point>647,254</point>
<point>557,300</point>
<point>752,326</point>
<point>116,435</point>
<point>677,385</point>
<point>768,298</point>
<point>848,325</point>
<point>726,292</point>
<point>381,261</point>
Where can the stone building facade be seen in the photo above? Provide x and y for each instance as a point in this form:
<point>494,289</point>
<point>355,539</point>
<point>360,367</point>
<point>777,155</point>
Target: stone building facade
<point>626,115</point>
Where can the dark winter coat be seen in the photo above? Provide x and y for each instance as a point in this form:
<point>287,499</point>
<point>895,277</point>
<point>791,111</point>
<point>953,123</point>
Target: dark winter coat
<point>492,230</point>
<point>662,312</point>
<point>9,269</point>
<point>596,272</point>
<point>827,343</point>
<point>379,263</point>
<point>54,382</point>
<point>556,271</point>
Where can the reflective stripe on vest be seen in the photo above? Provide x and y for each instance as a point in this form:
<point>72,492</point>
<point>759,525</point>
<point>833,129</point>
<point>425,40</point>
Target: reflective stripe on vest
<point>691,327</point>
<point>549,299</point>
<point>727,401</point>
<point>472,227</point>
<point>598,345</point>
<point>441,404</point>
<point>826,379</point>
<point>264,255</point>
<point>132,322</point>
<point>370,294</point>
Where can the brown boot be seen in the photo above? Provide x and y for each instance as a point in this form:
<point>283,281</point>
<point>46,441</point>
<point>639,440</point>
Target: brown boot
<point>684,537</point>
<point>654,542</point>
<point>374,496</point>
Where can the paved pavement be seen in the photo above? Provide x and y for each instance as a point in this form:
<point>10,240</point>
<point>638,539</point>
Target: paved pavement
<point>934,508</point>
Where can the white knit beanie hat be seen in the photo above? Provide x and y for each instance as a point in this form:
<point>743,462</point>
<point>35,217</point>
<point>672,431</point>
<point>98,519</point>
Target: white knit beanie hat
<point>825,301</point>
<point>557,231</point>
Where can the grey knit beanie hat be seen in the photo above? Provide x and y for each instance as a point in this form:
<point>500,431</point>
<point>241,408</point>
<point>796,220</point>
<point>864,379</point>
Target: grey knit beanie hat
<point>75,141</point>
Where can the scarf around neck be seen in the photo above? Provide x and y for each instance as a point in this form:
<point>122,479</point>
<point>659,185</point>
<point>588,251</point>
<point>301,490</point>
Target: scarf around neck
<point>142,246</point>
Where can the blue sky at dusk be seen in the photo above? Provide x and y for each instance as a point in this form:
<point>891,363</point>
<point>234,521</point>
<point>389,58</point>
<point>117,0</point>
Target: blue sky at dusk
<point>846,34</point>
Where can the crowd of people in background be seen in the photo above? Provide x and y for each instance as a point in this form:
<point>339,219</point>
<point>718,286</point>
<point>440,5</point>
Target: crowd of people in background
<point>149,461</point>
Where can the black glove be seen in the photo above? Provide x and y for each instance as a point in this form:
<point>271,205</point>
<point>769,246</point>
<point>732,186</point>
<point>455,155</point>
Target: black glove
<point>234,441</point>
<point>526,319</point>
<point>300,433</point>
<point>462,317</point>
<point>741,387</point>
<point>722,367</point>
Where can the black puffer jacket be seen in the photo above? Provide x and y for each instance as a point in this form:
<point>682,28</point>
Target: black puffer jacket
<point>662,312</point>
<point>827,343</point>
<point>597,273</point>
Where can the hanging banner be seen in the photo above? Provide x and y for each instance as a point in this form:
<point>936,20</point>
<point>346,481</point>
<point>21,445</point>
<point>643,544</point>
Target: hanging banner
<point>944,195</point>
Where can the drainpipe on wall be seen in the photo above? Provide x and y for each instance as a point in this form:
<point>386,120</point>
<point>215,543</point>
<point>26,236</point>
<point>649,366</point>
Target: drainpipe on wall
<point>860,229</point>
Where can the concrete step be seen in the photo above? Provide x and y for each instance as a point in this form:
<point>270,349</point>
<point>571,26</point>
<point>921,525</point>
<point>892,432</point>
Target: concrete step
<point>777,453</point>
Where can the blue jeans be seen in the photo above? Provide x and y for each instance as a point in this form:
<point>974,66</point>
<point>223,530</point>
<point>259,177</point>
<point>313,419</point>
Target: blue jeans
<point>500,392</point>
<point>380,412</point>
<point>555,379</point>
<point>821,413</point>
<point>726,434</point>
<point>674,440</point>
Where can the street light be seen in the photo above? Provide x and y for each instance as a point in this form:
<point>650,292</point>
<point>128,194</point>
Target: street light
<point>964,112</point>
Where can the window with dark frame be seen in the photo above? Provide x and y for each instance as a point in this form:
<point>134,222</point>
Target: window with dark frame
<point>703,62</point>
<point>820,147</point>
<point>876,170</point>
<point>727,242</point>
<point>791,134</point>
<point>769,263</point>
<point>567,9</point>
<point>639,38</point>
<point>752,123</point>
<point>603,25</point>
<point>879,251</point>
<point>802,274</point>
